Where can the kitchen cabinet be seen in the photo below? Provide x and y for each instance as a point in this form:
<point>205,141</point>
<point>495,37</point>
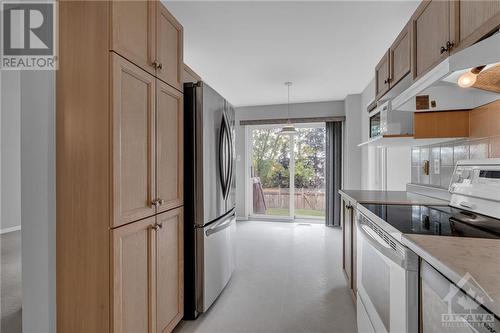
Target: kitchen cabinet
<point>133,32</point>
<point>400,56</point>
<point>119,158</point>
<point>441,124</point>
<point>485,121</point>
<point>169,41</point>
<point>169,270</point>
<point>474,20</point>
<point>431,35</point>
<point>395,64</point>
<point>147,259</point>
<point>133,109</point>
<point>133,269</point>
<point>441,302</point>
<point>147,144</point>
<point>169,147</point>
<point>145,33</point>
<point>382,76</point>
<point>349,244</point>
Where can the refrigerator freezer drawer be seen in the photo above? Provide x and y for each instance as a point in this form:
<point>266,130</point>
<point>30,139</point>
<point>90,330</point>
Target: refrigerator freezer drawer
<point>219,258</point>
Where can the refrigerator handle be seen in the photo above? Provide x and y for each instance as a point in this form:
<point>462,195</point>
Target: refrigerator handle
<point>223,156</point>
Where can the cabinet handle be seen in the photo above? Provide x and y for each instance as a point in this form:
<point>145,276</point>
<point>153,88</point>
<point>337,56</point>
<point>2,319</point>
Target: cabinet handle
<point>159,225</point>
<point>386,81</point>
<point>155,227</point>
<point>349,207</point>
<point>161,202</point>
<point>155,203</point>
<point>157,64</point>
<point>449,45</point>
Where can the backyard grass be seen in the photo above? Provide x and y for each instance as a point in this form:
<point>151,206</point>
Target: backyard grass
<point>298,212</point>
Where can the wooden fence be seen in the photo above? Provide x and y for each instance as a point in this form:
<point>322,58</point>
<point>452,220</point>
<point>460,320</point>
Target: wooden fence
<point>304,198</point>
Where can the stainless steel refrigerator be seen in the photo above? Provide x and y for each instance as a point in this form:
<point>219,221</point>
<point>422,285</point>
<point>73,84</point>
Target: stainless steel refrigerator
<point>209,196</point>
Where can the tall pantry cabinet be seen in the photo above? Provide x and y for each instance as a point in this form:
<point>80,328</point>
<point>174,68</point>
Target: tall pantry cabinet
<point>119,167</point>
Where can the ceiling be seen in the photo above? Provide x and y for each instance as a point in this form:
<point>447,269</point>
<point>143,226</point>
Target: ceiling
<point>246,50</point>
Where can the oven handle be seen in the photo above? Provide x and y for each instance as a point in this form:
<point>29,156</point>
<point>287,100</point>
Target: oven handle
<point>387,252</point>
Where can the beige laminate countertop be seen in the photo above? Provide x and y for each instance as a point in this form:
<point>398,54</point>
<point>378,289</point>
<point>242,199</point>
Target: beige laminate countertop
<point>390,197</point>
<point>454,257</point>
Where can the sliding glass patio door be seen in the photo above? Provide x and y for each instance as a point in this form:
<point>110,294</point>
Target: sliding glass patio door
<point>288,172</point>
<point>270,172</point>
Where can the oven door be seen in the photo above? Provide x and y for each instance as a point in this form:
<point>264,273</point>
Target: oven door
<point>387,281</point>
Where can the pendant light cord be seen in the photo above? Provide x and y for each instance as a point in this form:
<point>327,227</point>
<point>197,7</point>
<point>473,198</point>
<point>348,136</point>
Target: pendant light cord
<point>288,84</point>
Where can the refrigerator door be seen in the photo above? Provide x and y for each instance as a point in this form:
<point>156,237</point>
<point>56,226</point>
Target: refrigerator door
<point>215,151</point>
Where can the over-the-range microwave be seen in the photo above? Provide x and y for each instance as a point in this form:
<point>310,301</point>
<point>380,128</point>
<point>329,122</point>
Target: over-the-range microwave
<point>385,121</point>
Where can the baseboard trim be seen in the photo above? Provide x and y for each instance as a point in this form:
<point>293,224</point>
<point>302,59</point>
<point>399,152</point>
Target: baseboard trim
<point>11,229</point>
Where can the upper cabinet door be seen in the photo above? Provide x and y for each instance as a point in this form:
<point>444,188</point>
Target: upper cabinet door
<point>133,277</point>
<point>476,19</point>
<point>431,27</point>
<point>169,270</point>
<point>133,32</point>
<point>169,143</point>
<point>169,48</point>
<point>382,76</point>
<point>133,108</point>
<point>400,57</point>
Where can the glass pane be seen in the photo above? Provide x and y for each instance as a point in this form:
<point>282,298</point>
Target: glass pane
<point>270,172</point>
<point>310,172</point>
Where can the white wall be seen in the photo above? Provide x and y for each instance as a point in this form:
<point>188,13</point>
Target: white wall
<point>300,110</point>
<point>38,201</point>
<point>352,137</point>
<point>10,150</point>
<point>391,163</point>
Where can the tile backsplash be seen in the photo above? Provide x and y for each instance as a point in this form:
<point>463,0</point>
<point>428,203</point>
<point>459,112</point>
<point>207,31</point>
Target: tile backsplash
<point>443,157</point>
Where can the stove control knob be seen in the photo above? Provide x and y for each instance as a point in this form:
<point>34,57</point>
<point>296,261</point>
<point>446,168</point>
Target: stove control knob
<point>457,177</point>
<point>466,173</point>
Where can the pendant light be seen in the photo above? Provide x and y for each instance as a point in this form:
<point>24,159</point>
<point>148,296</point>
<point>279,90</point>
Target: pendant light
<point>289,128</point>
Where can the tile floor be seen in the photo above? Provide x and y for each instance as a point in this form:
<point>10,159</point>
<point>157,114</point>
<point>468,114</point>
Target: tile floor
<point>289,279</point>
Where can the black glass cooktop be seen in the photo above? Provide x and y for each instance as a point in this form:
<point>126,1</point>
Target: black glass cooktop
<point>437,220</point>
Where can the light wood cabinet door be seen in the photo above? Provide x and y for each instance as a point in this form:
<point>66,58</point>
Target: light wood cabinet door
<point>133,279</point>
<point>476,19</point>
<point>431,33</point>
<point>169,143</point>
<point>169,48</point>
<point>133,109</point>
<point>169,270</point>
<point>400,57</point>
<point>382,76</point>
<point>133,31</point>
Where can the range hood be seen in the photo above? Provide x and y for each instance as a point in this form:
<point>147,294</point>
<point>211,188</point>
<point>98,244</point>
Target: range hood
<point>438,90</point>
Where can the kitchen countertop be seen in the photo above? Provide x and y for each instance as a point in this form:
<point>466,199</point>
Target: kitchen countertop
<point>454,257</point>
<point>391,197</point>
